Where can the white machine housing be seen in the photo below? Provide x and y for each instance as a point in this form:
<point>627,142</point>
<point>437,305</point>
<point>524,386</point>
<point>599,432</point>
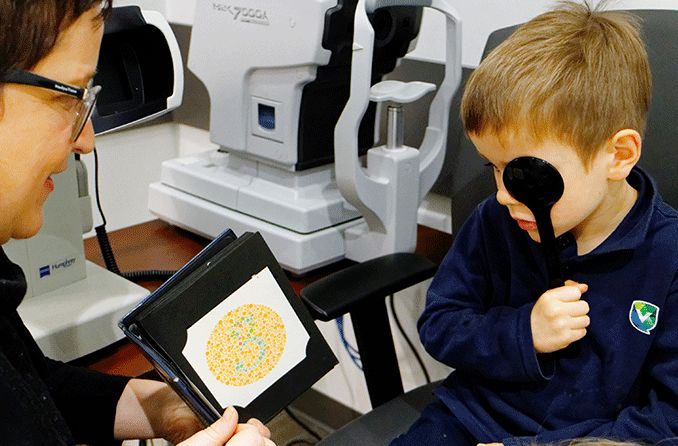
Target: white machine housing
<point>390,187</point>
<point>252,182</point>
<point>277,49</point>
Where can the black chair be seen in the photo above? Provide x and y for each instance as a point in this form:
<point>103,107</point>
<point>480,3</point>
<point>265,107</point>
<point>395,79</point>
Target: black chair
<point>361,289</point>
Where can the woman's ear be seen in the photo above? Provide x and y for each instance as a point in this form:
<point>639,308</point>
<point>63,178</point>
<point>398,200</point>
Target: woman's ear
<point>624,149</point>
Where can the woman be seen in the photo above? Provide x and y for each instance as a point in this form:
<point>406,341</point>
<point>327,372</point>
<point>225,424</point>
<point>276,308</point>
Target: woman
<point>48,55</point>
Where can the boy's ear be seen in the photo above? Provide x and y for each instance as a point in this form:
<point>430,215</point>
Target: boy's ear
<point>624,149</point>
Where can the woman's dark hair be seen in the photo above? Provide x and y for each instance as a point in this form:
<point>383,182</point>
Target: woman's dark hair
<point>30,28</point>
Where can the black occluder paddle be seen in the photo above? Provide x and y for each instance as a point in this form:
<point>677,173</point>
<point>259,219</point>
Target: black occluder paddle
<point>538,185</point>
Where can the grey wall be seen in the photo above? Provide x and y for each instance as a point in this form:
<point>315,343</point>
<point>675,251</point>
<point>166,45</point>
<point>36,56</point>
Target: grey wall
<point>195,108</point>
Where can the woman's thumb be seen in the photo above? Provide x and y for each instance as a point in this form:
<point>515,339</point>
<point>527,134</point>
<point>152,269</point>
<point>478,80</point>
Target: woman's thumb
<point>217,433</point>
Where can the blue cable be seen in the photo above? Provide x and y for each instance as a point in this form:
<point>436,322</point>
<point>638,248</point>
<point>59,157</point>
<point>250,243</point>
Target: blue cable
<point>352,351</point>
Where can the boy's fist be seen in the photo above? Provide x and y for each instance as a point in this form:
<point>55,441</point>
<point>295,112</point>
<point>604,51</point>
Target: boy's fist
<point>559,317</point>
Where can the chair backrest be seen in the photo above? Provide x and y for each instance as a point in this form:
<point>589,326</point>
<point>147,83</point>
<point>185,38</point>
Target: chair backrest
<point>660,144</point>
<point>464,177</point>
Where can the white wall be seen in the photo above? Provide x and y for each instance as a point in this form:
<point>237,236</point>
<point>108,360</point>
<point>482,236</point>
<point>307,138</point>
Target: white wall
<point>129,161</point>
<point>176,11</point>
<point>479,19</point>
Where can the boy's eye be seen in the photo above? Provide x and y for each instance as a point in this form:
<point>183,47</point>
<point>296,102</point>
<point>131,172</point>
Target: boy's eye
<point>489,164</point>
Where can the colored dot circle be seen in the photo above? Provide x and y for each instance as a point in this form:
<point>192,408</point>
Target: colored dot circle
<point>245,345</point>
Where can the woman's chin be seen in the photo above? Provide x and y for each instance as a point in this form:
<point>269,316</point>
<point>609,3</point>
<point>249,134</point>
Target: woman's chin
<point>28,228</point>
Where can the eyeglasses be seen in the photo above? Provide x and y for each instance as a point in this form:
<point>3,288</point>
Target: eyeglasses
<point>87,96</point>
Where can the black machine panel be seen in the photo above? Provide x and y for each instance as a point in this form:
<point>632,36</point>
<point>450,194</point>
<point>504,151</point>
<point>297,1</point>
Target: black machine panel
<point>323,100</point>
<point>136,78</point>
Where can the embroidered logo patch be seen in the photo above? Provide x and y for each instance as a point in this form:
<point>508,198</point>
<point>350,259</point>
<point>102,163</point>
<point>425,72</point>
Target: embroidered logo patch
<point>643,316</point>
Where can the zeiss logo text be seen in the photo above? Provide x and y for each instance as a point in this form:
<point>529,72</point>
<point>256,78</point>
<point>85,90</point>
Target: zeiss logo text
<point>244,14</point>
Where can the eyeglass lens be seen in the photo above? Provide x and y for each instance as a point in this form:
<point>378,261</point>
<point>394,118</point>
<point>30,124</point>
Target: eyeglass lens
<point>84,111</point>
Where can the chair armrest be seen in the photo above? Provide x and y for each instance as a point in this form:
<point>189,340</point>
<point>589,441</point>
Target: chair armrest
<point>345,290</point>
<point>361,290</point>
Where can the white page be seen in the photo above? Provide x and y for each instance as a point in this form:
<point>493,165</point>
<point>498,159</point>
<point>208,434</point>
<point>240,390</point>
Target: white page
<point>252,326</point>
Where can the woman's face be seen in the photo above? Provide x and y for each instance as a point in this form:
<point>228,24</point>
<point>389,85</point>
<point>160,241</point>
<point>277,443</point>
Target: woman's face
<point>36,126</point>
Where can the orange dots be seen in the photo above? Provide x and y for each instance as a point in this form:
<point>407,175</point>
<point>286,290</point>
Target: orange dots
<point>245,345</point>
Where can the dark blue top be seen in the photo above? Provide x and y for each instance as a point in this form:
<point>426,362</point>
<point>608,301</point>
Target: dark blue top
<point>42,401</point>
<point>619,381</point>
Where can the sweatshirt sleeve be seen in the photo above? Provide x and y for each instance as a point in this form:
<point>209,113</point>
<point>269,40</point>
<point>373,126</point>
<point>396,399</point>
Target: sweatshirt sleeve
<point>87,400</point>
<point>462,326</point>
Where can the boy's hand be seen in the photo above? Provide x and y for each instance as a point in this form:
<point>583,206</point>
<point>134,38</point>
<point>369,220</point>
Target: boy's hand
<point>559,317</point>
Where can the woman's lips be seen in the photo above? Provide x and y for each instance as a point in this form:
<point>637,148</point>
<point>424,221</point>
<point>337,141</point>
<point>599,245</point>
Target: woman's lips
<point>49,184</point>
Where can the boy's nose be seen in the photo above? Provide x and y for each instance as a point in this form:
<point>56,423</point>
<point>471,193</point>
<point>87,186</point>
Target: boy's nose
<point>503,197</point>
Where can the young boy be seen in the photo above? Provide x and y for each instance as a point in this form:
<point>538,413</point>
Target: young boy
<point>597,357</point>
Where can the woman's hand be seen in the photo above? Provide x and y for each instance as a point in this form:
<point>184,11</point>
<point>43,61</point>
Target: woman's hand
<point>179,423</point>
<point>151,409</point>
<point>176,421</point>
<point>227,432</point>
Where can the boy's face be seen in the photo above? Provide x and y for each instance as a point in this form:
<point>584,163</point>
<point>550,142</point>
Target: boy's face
<point>585,206</point>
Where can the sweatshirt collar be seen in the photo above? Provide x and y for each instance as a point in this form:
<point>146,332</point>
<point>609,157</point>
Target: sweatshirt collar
<point>633,229</point>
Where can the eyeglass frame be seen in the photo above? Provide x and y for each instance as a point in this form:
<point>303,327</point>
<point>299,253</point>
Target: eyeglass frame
<point>87,96</point>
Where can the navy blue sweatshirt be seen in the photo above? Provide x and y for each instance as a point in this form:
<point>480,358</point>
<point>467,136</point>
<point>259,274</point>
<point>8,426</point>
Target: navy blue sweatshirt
<point>619,381</point>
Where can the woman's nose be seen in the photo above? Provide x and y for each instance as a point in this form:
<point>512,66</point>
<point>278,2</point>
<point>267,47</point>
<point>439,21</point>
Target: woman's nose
<point>85,142</point>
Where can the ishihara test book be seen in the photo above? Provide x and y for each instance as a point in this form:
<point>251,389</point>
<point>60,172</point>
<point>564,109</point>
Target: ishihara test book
<point>228,330</point>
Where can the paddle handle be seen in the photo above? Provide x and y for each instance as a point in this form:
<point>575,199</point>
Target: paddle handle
<point>549,247</point>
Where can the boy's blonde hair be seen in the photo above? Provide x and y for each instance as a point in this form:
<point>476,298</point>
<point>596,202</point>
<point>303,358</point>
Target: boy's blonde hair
<point>576,74</point>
